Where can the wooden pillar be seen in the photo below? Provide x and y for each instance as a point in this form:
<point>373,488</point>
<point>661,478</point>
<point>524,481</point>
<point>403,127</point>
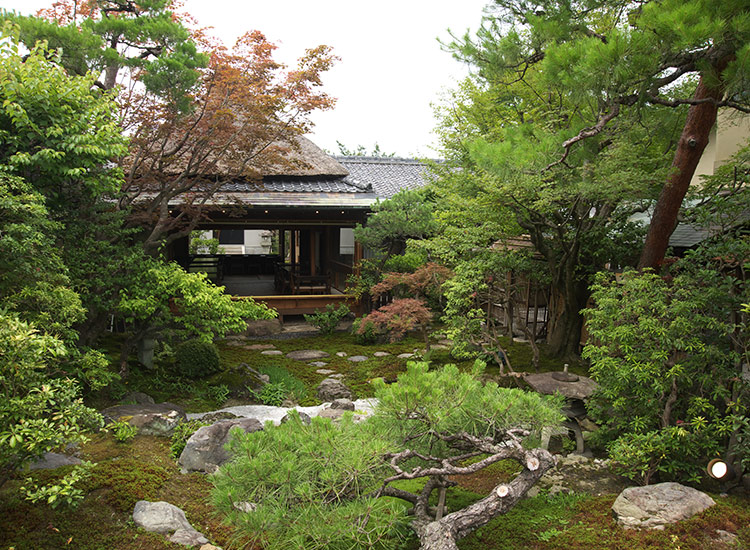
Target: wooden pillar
<point>312,252</point>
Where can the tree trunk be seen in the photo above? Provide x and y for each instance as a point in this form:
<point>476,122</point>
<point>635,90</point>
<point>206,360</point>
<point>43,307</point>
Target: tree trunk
<point>443,534</point>
<point>566,321</point>
<point>693,140</point>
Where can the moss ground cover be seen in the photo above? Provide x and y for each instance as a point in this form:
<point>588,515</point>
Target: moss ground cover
<point>143,468</point>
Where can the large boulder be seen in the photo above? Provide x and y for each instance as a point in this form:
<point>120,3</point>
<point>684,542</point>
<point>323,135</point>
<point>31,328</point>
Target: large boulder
<point>331,389</point>
<point>654,506</point>
<point>205,452</point>
<point>151,419</point>
<point>164,518</point>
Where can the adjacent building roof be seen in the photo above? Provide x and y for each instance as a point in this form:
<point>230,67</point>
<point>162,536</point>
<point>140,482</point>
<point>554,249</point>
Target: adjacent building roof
<point>386,175</point>
<point>354,180</point>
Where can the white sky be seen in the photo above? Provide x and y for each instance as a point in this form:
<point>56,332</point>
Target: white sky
<point>391,67</point>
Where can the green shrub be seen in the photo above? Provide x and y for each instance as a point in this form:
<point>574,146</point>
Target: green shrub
<point>367,335</point>
<point>182,433</point>
<point>197,359</point>
<point>328,319</point>
<point>122,431</point>
<point>272,394</point>
<point>295,388</point>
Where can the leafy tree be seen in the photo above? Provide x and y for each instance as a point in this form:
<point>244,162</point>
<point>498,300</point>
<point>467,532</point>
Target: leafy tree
<point>144,40</point>
<point>33,278</point>
<point>164,299</point>
<point>39,412</point>
<point>615,59</point>
<point>666,353</point>
<point>502,137</point>
<point>337,486</point>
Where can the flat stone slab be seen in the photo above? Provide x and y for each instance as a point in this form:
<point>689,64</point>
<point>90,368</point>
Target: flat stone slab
<point>259,346</point>
<point>381,354</point>
<point>548,384</point>
<point>358,358</point>
<point>341,354</point>
<point>306,354</point>
<point>51,461</point>
<point>319,364</point>
<point>405,355</point>
<point>158,419</point>
<point>654,506</point>
<point>272,352</point>
<point>324,371</point>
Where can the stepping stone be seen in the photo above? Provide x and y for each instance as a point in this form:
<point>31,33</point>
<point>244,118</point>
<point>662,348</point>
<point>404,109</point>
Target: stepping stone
<point>318,364</point>
<point>358,358</point>
<point>341,354</point>
<point>325,371</point>
<point>381,354</point>
<point>336,376</point>
<point>405,355</point>
<point>260,346</point>
<point>446,342</point>
<point>306,354</point>
<point>272,352</point>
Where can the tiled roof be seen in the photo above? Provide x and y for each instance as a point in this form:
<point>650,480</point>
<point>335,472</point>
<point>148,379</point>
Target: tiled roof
<point>326,184</point>
<point>386,175</point>
<point>686,236</point>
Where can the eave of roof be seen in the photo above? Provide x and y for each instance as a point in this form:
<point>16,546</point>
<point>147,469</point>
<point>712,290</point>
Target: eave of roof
<point>290,199</point>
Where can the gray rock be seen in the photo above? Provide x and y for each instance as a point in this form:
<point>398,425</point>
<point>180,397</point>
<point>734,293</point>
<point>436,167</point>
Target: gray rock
<point>218,415</point>
<point>381,354</point>
<point>358,358</point>
<point>263,327</point>
<point>137,398</point>
<point>205,452</point>
<point>245,506</point>
<point>341,354</point>
<point>333,414</point>
<point>655,506</point>
<point>259,346</point>
<point>337,376</point>
<point>188,537</point>
<point>159,517</point>
<point>158,419</point>
<point>343,404</point>
<point>272,352</point>
<point>330,389</point>
<point>324,371</point>
<point>50,461</point>
<point>405,355</point>
<point>307,354</point>
<point>304,417</point>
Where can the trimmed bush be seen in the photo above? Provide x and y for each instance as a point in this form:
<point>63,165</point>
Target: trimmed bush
<point>326,320</point>
<point>197,359</point>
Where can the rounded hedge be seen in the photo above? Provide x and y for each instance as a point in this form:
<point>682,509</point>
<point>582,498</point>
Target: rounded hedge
<point>197,359</point>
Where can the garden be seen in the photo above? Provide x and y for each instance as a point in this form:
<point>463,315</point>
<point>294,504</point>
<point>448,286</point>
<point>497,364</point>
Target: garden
<point>417,420</point>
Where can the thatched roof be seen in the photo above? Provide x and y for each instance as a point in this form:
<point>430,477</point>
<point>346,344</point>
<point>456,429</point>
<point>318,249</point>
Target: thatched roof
<point>305,159</point>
